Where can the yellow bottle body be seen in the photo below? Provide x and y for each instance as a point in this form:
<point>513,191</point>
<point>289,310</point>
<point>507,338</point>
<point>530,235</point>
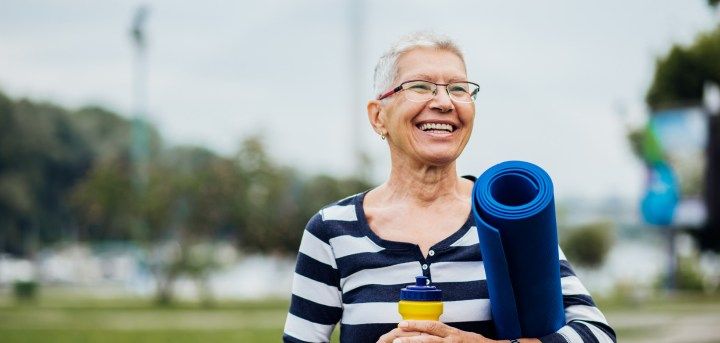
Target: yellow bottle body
<point>420,310</point>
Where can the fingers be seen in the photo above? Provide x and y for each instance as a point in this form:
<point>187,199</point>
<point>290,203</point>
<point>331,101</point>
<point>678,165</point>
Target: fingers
<point>396,333</point>
<point>428,326</point>
<point>425,338</point>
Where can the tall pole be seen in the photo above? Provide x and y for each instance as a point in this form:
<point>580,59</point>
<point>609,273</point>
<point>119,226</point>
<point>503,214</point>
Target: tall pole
<point>357,113</point>
<point>710,239</point>
<point>140,137</point>
<point>671,282</point>
<point>139,153</point>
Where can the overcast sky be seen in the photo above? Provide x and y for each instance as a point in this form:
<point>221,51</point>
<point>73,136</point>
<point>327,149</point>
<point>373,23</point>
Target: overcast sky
<point>555,76</point>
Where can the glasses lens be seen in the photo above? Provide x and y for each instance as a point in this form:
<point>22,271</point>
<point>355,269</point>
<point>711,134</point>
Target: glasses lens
<point>419,91</point>
<point>463,91</point>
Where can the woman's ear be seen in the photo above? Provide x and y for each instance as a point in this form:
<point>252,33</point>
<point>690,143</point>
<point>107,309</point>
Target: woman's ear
<point>376,116</point>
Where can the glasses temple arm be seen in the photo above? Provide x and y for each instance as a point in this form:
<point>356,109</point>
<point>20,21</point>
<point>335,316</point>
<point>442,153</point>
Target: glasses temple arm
<point>390,92</point>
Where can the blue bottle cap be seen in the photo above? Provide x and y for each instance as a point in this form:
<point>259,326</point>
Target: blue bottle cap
<point>421,291</point>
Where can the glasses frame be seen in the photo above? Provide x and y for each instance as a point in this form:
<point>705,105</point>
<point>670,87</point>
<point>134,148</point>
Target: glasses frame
<point>400,88</point>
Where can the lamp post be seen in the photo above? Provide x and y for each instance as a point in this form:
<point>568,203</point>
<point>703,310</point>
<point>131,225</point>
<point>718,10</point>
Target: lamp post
<point>355,27</point>
<point>139,136</point>
<point>710,237</point>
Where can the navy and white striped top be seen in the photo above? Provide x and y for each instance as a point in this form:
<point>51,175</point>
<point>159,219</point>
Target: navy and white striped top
<point>346,273</point>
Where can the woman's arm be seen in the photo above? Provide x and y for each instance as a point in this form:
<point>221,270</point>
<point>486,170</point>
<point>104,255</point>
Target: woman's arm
<point>316,304</point>
<point>585,322</point>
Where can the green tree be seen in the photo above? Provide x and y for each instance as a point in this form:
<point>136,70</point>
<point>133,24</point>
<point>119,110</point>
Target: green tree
<point>67,173</point>
<point>187,202</point>
<point>266,207</point>
<point>105,206</point>
<point>190,201</point>
<point>106,202</point>
<point>42,156</point>
<point>276,202</point>
<point>681,74</point>
<point>587,245</point>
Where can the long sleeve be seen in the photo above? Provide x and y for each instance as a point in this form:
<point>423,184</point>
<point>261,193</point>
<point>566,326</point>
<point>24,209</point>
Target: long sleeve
<point>316,303</point>
<point>585,322</point>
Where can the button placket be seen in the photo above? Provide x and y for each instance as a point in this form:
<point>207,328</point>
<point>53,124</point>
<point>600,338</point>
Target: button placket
<point>427,260</point>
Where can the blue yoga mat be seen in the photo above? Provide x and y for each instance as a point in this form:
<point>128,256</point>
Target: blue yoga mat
<point>514,211</point>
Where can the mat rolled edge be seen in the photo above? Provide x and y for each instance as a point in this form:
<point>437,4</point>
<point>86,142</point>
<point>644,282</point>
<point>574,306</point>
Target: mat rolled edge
<point>514,211</point>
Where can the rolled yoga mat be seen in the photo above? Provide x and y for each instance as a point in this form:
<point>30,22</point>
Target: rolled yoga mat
<point>514,209</point>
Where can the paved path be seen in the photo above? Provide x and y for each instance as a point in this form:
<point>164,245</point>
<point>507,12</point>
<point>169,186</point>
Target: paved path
<point>677,326</point>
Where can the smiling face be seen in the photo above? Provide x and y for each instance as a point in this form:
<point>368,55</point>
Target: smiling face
<point>434,132</point>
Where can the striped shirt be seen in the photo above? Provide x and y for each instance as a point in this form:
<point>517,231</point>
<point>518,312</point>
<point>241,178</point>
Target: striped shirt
<point>346,273</point>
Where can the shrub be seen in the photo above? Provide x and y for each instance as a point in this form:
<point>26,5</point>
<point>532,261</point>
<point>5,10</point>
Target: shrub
<point>25,290</point>
<point>587,245</point>
<point>688,276</point>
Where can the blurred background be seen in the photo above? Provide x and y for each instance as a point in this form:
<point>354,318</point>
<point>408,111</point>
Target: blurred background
<point>159,159</point>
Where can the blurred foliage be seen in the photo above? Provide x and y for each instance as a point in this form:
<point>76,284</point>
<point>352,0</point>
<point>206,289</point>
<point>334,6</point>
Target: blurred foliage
<point>587,245</point>
<point>42,155</point>
<point>70,174</point>
<point>679,80</point>
<point>681,74</point>
<point>688,277</point>
<point>45,150</point>
<point>636,138</point>
<point>25,290</point>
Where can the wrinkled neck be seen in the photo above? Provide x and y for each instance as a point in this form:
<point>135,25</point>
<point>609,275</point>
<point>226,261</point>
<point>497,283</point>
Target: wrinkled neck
<point>422,185</point>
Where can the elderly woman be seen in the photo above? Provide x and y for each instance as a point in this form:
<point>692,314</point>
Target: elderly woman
<point>357,253</point>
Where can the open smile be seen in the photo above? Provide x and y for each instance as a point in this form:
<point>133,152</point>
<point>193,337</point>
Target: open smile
<point>434,128</point>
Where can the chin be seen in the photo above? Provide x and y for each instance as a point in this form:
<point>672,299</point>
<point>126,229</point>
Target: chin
<point>438,152</point>
<point>439,160</point>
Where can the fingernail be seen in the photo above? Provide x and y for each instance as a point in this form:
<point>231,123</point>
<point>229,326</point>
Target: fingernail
<point>402,324</point>
<point>396,340</point>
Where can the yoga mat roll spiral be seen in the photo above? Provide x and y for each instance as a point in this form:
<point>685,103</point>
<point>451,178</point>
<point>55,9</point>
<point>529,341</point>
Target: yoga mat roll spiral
<point>514,209</point>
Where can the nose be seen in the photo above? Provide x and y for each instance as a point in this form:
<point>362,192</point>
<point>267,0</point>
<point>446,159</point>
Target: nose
<point>441,100</point>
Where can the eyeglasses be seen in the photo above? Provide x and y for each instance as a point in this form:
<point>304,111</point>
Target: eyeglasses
<point>421,91</point>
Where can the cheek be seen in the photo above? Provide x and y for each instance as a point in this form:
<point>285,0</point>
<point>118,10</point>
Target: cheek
<point>468,118</point>
<point>470,121</point>
<point>469,112</point>
<point>404,114</point>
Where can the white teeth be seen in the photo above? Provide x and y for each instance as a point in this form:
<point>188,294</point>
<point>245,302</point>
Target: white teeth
<point>436,126</point>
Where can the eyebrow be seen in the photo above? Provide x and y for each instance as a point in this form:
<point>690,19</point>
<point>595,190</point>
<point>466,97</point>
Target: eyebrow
<point>426,77</point>
<point>419,77</point>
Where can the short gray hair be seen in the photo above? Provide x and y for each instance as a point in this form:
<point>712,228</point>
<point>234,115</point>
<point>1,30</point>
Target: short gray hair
<point>386,70</point>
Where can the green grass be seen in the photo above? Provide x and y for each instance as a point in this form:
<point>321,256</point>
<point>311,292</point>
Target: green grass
<point>60,317</point>
<point>76,319</point>
<point>113,336</point>
<point>63,317</point>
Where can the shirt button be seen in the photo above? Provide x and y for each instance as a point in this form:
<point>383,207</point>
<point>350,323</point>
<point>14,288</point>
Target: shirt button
<point>424,266</point>
<point>431,252</point>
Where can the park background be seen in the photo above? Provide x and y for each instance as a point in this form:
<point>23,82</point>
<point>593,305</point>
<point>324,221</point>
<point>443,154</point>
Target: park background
<point>159,160</point>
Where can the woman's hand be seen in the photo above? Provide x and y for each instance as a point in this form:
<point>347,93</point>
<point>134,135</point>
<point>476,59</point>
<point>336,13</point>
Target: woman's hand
<point>397,333</point>
<point>429,331</point>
